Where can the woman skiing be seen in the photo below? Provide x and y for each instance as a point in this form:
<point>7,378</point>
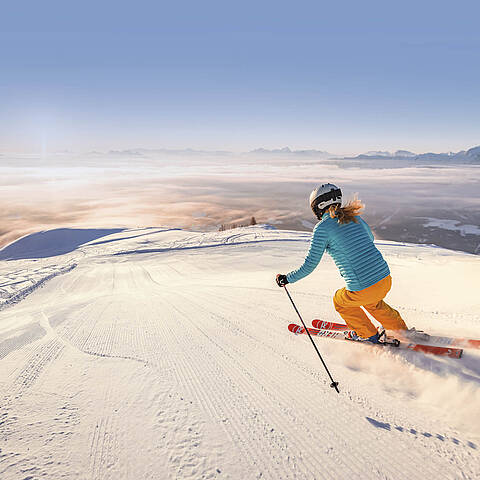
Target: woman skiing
<point>343,234</point>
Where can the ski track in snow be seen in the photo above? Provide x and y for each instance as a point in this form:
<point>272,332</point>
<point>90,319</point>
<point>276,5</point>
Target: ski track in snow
<point>172,360</point>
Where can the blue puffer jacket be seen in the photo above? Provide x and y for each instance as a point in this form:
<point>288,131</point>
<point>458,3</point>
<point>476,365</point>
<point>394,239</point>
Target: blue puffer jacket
<point>352,249</point>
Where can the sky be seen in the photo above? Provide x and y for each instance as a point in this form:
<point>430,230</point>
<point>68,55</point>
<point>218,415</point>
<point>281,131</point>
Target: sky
<point>343,76</point>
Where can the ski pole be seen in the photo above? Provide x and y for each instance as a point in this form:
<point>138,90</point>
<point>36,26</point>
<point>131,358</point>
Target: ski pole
<point>334,384</point>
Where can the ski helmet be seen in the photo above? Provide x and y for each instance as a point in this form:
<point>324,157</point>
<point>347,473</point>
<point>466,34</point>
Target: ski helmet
<point>323,197</point>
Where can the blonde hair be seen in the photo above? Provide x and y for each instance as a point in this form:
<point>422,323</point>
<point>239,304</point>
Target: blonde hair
<point>348,213</point>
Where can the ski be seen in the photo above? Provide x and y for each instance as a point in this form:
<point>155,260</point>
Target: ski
<point>436,339</point>
<point>389,342</point>
<point>322,325</point>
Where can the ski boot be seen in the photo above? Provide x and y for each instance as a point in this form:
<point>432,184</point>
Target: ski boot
<point>380,338</point>
<point>352,335</point>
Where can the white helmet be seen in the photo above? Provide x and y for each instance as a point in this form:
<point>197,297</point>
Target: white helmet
<point>324,196</point>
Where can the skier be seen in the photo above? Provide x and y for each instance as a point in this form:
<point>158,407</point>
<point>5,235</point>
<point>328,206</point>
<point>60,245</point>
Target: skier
<point>343,234</point>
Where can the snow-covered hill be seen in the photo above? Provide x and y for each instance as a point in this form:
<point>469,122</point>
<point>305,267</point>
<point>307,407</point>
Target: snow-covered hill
<point>164,354</point>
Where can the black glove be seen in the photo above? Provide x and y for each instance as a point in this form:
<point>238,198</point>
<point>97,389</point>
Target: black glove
<point>281,280</point>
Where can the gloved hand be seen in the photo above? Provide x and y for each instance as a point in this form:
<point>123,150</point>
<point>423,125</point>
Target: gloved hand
<point>281,280</point>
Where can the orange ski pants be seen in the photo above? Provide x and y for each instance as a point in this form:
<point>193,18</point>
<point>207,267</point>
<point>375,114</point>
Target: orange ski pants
<point>348,304</point>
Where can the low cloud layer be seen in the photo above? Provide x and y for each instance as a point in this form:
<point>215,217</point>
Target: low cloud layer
<point>204,192</point>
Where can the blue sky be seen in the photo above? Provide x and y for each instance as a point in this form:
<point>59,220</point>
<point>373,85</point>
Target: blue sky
<point>339,76</point>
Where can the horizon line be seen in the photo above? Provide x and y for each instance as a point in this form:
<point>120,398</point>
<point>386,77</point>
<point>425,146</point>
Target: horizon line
<point>260,150</point>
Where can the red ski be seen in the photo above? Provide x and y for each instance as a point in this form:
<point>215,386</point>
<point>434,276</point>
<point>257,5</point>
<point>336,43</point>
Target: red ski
<point>436,339</point>
<point>343,335</point>
<point>341,327</point>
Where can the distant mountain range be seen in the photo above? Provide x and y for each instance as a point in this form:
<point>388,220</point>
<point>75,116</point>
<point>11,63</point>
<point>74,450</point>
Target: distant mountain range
<point>288,151</point>
<point>398,153</point>
<point>471,156</point>
<point>465,156</point>
<point>144,152</point>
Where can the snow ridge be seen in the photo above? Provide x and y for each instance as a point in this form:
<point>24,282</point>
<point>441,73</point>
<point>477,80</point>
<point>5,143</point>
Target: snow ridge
<point>11,298</point>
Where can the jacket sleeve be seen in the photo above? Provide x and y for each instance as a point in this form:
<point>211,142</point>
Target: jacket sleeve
<point>315,253</point>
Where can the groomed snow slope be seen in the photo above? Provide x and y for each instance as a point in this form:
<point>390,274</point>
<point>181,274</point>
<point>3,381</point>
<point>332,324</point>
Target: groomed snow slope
<point>164,354</point>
